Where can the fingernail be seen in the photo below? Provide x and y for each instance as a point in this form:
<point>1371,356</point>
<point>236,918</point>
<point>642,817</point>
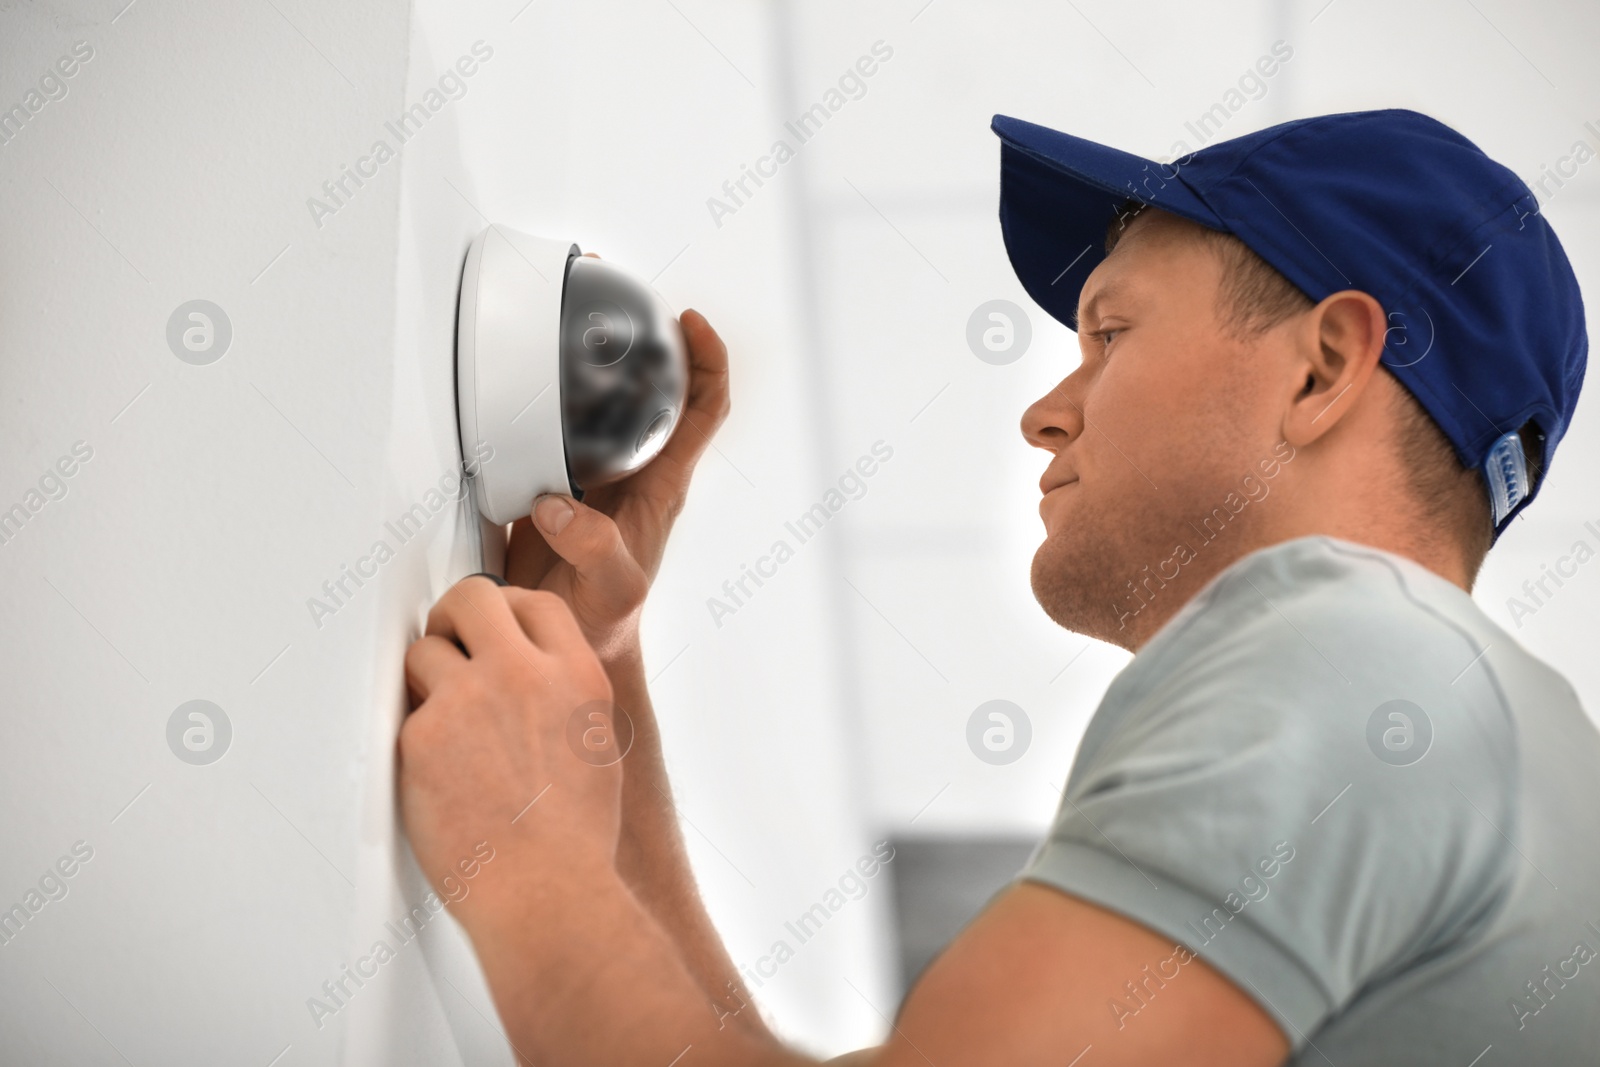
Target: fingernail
<point>552,513</point>
<point>495,578</point>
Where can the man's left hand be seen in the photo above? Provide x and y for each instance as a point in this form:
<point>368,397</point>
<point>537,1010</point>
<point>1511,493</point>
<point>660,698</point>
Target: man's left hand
<point>511,707</point>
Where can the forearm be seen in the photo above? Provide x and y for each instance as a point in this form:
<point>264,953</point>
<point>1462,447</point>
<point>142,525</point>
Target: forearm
<point>651,857</point>
<point>582,973</point>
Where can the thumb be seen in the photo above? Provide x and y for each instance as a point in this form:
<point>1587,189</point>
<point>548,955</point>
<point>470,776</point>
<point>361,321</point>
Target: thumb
<point>609,582</point>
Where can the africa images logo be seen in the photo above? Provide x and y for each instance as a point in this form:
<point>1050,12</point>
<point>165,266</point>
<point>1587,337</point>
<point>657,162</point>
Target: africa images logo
<point>1399,733</point>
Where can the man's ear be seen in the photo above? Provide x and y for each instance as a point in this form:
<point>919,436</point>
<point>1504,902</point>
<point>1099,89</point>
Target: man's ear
<point>1339,343</point>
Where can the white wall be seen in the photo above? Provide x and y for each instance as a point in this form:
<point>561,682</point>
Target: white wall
<point>218,500</point>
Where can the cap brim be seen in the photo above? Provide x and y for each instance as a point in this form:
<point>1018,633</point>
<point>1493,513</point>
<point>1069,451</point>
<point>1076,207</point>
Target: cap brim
<point>1058,195</point>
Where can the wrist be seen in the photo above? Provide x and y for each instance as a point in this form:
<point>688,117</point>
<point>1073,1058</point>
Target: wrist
<point>535,893</point>
<point>623,660</point>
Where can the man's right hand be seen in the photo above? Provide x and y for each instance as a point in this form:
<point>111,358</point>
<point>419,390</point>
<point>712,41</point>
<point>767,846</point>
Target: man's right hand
<point>602,555</point>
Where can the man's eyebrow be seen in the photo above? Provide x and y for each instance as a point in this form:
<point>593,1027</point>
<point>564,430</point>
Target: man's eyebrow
<point>1108,291</point>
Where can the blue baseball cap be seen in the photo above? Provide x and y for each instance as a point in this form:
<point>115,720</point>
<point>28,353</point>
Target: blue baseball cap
<point>1486,324</point>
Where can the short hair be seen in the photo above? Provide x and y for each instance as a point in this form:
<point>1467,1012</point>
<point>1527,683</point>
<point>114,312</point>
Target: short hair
<point>1254,296</point>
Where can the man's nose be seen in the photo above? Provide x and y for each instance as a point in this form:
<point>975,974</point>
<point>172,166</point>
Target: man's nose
<point>1052,420</point>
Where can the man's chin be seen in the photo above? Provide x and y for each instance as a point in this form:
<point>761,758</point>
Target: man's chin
<point>1055,585</point>
<point>1070,581</point>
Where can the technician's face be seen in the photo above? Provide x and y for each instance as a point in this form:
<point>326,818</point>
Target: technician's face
<point>1153,430</point>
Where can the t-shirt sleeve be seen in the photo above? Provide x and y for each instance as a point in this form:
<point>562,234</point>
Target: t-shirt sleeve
<point>1297,791</point>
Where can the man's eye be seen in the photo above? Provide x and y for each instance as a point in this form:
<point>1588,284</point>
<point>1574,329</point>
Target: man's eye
<point>1105,337</point>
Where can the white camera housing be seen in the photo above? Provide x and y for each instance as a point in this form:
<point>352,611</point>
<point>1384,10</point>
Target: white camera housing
<point>570,373</point>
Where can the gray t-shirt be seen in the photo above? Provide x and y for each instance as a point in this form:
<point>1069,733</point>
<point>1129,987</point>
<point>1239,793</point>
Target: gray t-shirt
<point>1335,780</point>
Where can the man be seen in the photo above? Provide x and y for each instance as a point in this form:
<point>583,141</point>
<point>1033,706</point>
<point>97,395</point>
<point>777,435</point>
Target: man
<point>1329,813</point>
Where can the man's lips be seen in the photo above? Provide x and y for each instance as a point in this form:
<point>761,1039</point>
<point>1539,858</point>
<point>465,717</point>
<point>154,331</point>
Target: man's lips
<point>1048,485</point>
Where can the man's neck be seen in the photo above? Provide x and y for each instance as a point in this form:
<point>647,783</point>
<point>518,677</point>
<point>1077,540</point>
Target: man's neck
<point>1442,559</point>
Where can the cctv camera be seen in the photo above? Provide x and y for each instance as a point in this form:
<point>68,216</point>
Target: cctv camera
<point>573,371</point>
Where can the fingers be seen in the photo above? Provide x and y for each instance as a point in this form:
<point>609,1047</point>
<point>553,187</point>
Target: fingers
<point>547,621</point>
<point>484,618</point>
<point>474,612</point>
<point>429,661</point>
<point>708,400</point>
<point>665,482</point>
<point>579,534</point>
<point>611,579</point>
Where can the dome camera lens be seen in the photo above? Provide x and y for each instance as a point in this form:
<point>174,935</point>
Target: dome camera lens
<point>624,373</point>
